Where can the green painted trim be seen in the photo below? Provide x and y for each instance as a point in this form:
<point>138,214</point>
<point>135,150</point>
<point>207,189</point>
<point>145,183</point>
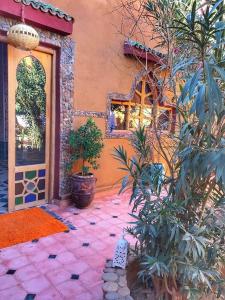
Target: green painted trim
<point>47,8</point>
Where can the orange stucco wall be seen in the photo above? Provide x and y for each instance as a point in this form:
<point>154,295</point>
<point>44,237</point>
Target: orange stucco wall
<point>100,68</point>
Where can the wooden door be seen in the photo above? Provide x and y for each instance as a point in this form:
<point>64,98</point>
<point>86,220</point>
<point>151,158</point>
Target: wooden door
<point>30,97</point>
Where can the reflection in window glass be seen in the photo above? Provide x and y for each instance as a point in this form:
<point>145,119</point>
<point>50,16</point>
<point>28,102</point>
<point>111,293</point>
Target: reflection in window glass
<point>30,112</point>
<point>147,111</point>
<point>134,120</point>
<point>134,123</point>
<point>120,115</point>
<point>147,123</point>
<point>135,111</point>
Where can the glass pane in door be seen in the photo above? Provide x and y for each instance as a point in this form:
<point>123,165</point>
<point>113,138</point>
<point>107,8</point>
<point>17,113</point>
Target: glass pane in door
<point>30,112</point>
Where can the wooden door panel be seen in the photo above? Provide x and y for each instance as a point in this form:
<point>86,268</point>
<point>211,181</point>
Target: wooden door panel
<point>30,85</point>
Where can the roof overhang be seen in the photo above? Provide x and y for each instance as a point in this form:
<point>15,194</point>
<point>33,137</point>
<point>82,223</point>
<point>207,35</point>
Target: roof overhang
<point>60,23</point>
<point>133,48</point>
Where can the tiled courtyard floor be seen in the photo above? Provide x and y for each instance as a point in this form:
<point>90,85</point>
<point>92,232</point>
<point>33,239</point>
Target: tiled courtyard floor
<point>66,265</point>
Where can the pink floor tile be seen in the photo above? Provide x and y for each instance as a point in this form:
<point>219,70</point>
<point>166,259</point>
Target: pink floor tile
<point>57,248</point>
<point>89,237</point>
<point>13,293</point>
<point>98,245</point>
<point>47,241</point>
<point>49,294</point>
<point>85,252</point>
<point>108,254</point>
<point>103,216</point>
<point>111,241</point>
<point>58,276</point>
<point>78,232</point>
<point>93,218</point>
<point>66,257</point>
<point>48,265</point>
<point>63,237</point>
<point>91,277</point>
<point>38,257</point>
<point>97,293</point>
<point>66,214</point>
<point>36,285</point>
<point>70,289</point>
<point>81,223</point>
<point>101,234</point>
<point>18,262</point>
<point>77,268</point>
<point>72,219</point>
<point>116,221</point>
<point>95,261</point>
<point>29,248</point>
<point>3,269</point>
<point>9,253</point>
<point>83,296</point>
<point>73,244</point>
<point>7,281</point>
<point>26,273</point>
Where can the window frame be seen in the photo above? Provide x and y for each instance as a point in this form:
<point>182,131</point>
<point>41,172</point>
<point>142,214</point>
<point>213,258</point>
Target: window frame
<point>143,95</point>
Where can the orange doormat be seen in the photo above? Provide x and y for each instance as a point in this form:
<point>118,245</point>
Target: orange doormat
<point>27,225</point>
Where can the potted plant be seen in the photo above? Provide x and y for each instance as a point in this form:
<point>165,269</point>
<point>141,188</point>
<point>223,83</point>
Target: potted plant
<point>86,144</point>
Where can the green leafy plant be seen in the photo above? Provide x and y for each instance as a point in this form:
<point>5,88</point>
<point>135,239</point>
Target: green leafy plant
<point>180,227</point>
<point>86,145</point>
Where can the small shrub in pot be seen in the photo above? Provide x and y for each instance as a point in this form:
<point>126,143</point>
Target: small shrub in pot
<point>86,144</point>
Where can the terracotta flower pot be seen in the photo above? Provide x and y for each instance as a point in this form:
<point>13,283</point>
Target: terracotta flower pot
<point>83,189</point>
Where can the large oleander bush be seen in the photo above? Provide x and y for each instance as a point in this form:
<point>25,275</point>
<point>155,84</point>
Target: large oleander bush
<point>179,221</point>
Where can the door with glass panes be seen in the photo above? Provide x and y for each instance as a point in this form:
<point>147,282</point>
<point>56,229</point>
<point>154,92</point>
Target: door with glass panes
<point>29,110</point>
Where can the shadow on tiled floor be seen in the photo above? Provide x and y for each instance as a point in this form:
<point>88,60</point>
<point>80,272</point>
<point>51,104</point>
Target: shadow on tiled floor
<point>66,265</point>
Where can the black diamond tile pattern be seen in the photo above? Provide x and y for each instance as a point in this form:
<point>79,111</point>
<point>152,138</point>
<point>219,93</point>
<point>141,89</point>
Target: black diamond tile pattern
<point>11,272</point>
<point>30,297</point>
<point>52,256</point>
<point>75,276</point>
<point>35,241</point>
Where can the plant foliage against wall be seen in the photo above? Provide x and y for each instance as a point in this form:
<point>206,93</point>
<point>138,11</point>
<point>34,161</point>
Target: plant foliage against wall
<point>180,233</point>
